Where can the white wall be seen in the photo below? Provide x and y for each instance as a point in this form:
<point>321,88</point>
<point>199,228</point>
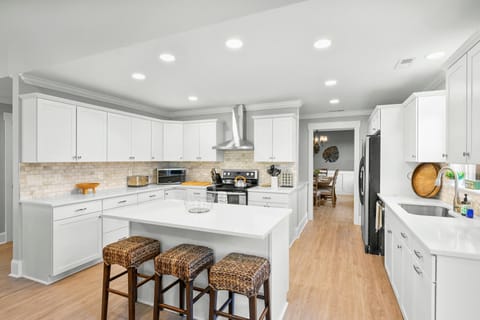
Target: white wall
<point>3,109</point>
<point>344,141</point>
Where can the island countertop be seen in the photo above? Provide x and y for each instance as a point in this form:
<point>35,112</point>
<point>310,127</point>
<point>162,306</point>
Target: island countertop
<point>245,221</point>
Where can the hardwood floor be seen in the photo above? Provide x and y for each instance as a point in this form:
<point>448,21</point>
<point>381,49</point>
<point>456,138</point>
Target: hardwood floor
<point>330,278</point>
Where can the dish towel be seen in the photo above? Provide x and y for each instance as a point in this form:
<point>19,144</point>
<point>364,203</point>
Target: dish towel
<point>378,217</point>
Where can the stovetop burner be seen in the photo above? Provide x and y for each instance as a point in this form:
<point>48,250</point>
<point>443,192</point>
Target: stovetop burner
<point>228,180</point>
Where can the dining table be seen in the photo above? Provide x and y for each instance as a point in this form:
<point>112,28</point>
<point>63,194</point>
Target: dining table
<point>323,181</point>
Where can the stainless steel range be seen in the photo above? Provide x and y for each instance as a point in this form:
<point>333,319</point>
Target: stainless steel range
<point>233,189</point>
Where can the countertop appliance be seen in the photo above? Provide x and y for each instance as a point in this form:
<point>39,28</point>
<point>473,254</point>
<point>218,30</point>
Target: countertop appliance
<point>227,192</point>
<point>171,175</point>
<point>369,187</point>
<point>137,181</point>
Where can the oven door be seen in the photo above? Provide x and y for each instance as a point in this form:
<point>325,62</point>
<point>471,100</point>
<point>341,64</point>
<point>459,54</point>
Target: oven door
<point>237,198</point>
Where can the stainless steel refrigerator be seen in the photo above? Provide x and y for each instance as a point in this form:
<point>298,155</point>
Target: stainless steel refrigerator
<point>369,187</point>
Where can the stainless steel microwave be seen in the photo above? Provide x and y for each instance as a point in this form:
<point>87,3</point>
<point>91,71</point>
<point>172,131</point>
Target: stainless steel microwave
<point>171,175</point>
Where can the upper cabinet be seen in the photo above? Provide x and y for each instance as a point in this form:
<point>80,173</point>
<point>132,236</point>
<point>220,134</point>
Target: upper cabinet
<point>91,135</point>
<point>424,127</point>
<point>374,122</point>
<point>199,140</point>
<point>141,141</point>
<point>129,138</point>
<point>173,141</point>
<point>157,140</point>
<point>463,108</point>
<point>275,138</point>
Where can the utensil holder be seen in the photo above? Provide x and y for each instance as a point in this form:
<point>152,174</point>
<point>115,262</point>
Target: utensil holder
<point>274,183</point>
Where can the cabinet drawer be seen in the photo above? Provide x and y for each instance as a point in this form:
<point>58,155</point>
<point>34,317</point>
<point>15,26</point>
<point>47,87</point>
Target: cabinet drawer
<point>76,210</point>
<point>119,202</point>
<point>114,236</point>
<point>196,194</point>
<point>114,224</point>
<point>267,204</point>
<point>152,195</point>
<point>265,197</point>
<point>422,258</point>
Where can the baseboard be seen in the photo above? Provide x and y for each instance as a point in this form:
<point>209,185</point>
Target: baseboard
<point>284,311</point>
<point>16,269</point>
<point>3,238</point>
<point>303,223</point>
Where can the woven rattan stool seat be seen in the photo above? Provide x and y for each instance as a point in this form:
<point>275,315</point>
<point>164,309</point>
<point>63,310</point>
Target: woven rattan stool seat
<point>184,261</point>
<point>131,252</point>
<point>240,273</point>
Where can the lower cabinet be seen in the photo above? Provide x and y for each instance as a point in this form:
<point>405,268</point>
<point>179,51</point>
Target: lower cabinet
<point>175,194</point>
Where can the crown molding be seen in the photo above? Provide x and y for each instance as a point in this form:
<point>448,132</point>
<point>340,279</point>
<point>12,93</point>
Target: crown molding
<point>462,50</point>
<point>5,100</point>
<point>248,107</point>
<point>437,82</point>
<point>337,114</point>
<point>66,88</point>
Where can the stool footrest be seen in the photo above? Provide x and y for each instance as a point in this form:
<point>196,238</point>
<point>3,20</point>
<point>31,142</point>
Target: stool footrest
<point>230,316</point>
<point>141,283</point>
<point>202,292</point>
<point>172,308</point>
<point>118,275</point>
<point>225,304</point>
<point>120,293</point>
<point>171,285</point>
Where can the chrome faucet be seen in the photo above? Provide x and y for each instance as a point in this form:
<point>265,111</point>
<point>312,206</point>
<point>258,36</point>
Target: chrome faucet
<point>438,182</point>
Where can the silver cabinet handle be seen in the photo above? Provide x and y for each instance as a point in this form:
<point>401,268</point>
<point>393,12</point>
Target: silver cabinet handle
<point>466,154</point>
<point>417,270</point>
<point>153,158</point>
<point>404,236</point>
<point>123,201</point>
<point>196,193</point>
<point>413,156</point>
<point>399,246</point>
<point>74,157</point>
<point>389,231</point>
<point>79,157</point>
<point>152,196</point>
<point>418,254</point>
<point>444,155</point>
<point>266,198</point>
<point>81,209</point>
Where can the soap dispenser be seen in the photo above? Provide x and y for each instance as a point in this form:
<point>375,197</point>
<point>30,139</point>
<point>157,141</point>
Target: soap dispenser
<point>465,205</point>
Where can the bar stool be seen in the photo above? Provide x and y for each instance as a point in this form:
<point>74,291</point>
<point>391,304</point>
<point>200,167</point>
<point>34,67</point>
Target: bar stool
<point>129,253</point>
<point>242,274</point>
<point>184,262</point>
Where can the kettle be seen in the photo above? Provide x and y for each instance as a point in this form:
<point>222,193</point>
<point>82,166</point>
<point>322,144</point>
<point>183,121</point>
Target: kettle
<point>240,182</point>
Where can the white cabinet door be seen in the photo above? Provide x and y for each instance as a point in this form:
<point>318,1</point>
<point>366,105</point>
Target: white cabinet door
<point>423,293</point>
<point>396,264</point>
<point>196,194</point>
<point>431,127</point>
<point>141,139</point>
<point>456,78</point>
<point>207,140</point>
<point>263,140</point>
<point>76,241</point>
<point>91,135</point>
<point>388,260</point>
<point>410,131</point>
<point>157,141</point>
<point>56,131</point>
<point>175,194</point>
<point>283,140</point>
<point>119,137</point>
<point>474,104</point>
<point>173,142</point>
<point>191,142</point>
<point>407,283</point>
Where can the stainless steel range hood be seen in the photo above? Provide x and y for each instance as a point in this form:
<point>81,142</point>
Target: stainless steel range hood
<point>238,132</point>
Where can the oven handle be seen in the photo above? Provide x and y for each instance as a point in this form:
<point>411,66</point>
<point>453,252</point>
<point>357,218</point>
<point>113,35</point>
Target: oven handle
<point>227,193</point>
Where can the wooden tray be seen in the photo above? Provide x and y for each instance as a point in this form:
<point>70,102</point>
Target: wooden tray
<point>85,186</point>
<point>423,180</point>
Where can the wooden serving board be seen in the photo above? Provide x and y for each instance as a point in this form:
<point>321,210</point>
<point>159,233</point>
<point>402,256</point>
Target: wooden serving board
<point>196,183</point>
<point>423,180</point>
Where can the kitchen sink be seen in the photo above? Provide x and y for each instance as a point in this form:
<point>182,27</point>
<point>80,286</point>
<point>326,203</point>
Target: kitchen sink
<point>425,210</point>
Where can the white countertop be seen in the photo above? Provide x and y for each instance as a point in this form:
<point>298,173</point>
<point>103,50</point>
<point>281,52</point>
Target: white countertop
<point>458,237</point>
<point>103,194</point>
<point>236,220</point>
<point>283,190</point>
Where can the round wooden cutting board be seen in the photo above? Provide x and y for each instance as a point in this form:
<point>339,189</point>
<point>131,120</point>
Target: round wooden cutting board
<point>423,180</point>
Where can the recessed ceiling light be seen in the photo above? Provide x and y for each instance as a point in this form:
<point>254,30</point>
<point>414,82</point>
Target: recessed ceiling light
<point>334,101</point>
<point>138,76</point>
<point>167,57</point>
<point>435,55</point>
<point>330,83</point>
<point>234,43</point>
<point>322,43</point>
<point>192,98</point>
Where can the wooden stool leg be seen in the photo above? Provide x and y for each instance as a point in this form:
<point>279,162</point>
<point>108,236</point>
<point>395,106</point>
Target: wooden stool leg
<point>181,296</point>
<point>189,307</point>
<point>213,304</point>
<point>157,296</point>
<point>252,304</point>
<point>132,275</point>
<point>105,287</point>
<point>266,293</point>
<point>231,305</point>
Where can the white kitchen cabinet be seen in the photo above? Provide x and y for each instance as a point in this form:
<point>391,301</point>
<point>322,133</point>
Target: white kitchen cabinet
<point>113,229</point>
<point>173,141</point>
<point>463,108</point>
<point>196,194</point>
<point>424,121</point>
<point>141,139</point>
<point>119,133</point>
<point>388,245</point>
<point>199,138</point>
<point>91,135</point>
<point>345,182</point>
<point>275,138</point>
<point>374,122</point>
<point>157,141</point>
<point>175,194</point>
<point>76,241</point>
<point>151,195</point>
<point>48,130</point>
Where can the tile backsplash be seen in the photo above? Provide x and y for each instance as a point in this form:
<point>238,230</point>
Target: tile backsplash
<point>42,180</point>
<point>448,192</point>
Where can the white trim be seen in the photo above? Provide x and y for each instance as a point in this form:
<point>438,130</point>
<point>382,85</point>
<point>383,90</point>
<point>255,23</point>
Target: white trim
<point>227,109</point>
<point>462,50</point>
<point>3,237</point>
<point>337,114</point>
<point>15,268</point>
<point>345,125</point>
<point>284,115</point>
<point>65,88</point>
<point>5,100</point>
<point>415,95</point>
<point>436,82</point>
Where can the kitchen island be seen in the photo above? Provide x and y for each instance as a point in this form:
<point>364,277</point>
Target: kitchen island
<point>225,228</point>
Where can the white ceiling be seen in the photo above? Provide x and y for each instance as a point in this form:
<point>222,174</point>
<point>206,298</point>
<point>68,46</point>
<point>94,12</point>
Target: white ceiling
<point>278,61</point>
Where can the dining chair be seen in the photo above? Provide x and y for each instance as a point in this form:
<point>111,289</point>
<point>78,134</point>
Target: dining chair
<point>329,192</point>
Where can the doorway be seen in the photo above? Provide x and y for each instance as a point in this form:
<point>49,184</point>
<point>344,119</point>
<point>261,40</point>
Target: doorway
<point>332,127</point>
<point>8,187</point>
